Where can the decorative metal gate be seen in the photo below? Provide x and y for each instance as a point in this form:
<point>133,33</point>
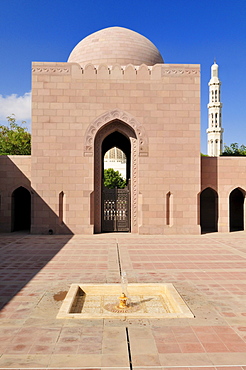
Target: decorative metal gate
<point>116,210</point>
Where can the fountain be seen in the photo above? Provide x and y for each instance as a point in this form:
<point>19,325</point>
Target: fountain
<point>97,301</point>
<point>124,304</point>
<point>123,299</point>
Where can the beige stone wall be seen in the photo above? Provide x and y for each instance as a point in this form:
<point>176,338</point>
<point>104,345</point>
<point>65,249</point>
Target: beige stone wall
<point>15,171</point>
<point>224,174</point>
<point>164,99</point>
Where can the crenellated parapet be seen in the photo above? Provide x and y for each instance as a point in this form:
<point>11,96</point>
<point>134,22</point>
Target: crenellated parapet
<point>116,71</point>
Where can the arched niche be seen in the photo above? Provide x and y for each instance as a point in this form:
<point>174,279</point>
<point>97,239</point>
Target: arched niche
<point>209,210</point>
<point>236,206</point>
<point>21,209</point>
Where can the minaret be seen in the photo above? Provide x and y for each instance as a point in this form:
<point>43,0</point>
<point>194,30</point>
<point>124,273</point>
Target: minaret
<point>214,131</point>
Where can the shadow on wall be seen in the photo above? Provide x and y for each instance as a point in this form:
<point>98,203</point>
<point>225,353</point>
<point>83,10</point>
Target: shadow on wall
<point>23,256</point>
<point>21,207</point>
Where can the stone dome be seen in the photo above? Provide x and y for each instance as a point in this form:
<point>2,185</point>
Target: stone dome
<point>115,45</point>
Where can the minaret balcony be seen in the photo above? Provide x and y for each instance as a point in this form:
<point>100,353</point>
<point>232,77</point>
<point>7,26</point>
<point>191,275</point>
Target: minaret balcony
<point>215,130</point>
<point>215,105</point>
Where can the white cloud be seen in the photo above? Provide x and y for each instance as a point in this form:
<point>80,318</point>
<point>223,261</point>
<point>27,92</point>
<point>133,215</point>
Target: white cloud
<point>20,106</point>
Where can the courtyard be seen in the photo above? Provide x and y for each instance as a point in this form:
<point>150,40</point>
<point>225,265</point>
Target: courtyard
<point>208,271</point>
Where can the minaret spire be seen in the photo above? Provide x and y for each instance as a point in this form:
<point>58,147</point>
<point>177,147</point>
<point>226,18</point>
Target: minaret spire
<point>215,130</point>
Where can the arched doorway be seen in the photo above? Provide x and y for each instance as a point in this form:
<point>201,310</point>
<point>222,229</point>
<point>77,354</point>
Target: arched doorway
<point>21,209</point>
<point>209,210</point>
<point>236,202</point>
<point>115,201</point>
<point>115,134</point>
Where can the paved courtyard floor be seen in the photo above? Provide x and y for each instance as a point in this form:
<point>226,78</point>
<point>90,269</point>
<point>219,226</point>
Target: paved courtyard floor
<point>208,271</point>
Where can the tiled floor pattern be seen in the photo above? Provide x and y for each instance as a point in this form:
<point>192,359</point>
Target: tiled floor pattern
<point>209,271</point>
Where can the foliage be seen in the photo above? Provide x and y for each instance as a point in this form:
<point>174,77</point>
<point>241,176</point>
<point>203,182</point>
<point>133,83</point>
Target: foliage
<point>234,150</point>
<point>14,139</point>
<point>113,179</point>
<point>204,155</point>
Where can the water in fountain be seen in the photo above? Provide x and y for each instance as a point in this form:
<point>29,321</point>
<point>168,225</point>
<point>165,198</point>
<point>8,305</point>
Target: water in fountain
<point>124,298</point>
<point>124,283</point>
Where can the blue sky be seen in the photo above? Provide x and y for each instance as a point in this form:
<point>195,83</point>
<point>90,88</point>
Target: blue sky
<point>185,31</point>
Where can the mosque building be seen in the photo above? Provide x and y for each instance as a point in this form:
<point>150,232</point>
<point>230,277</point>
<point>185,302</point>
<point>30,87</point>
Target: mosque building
<point>116,100</point>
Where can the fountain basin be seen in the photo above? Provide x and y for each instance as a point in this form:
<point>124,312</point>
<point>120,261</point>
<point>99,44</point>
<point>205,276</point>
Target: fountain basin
<point>91,301</point>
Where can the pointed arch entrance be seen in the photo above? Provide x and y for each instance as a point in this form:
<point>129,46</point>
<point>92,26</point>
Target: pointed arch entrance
<point>116,202</point>
<point>115,133</point>
<point>209,210</point>
<point>236,202</point>
<point>21,209</point>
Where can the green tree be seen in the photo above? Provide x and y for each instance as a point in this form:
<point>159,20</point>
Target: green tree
<point>234,150</point>
<point>113,179</point>
<point>14,139</point>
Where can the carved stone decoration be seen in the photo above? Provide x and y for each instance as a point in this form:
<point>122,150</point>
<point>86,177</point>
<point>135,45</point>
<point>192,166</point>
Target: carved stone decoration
<point>129,132</point>
<point>134,188</point>
<point>178,71</point>
<point>109,117</point>
<point>51,70</point>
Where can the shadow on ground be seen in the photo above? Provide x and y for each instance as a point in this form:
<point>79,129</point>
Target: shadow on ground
<point>22,257</point>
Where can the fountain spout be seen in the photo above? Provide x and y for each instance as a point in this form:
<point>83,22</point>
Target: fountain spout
<point>123,301</point>
<point>123,304</point>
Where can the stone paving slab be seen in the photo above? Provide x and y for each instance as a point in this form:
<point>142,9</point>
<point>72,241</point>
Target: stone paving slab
<point>209,272</point>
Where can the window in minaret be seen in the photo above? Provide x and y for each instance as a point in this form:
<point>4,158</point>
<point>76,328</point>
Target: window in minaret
<point>212,116</point>
<point>212,96</point>
<point>216,95</point>
<point>216,118</point>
